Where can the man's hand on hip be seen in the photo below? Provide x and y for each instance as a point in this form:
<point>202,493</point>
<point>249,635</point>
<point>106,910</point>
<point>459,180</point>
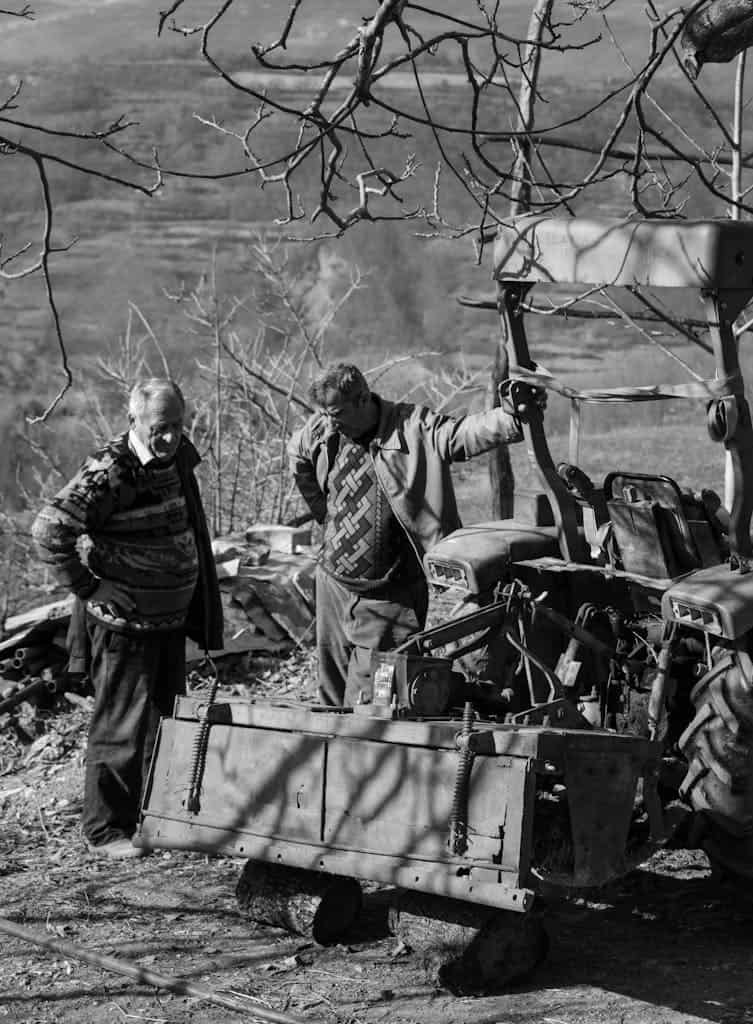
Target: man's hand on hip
<point>114,596</point>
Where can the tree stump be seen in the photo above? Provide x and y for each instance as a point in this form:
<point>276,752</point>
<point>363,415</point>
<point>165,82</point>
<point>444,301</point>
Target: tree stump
<point>312,904</point>
<point>465,947</point>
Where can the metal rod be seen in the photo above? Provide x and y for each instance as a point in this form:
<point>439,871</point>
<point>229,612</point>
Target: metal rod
<point>657,714</point>
<point>129,970</point>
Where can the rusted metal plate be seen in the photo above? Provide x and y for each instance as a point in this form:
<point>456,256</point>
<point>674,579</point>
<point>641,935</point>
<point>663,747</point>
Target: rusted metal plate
<point>600,791</point>
<point>662,253</point>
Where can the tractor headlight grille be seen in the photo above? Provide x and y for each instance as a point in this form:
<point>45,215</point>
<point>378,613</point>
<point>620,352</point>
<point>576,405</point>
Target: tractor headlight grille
<point>702,618</point>
<point>447,574</point>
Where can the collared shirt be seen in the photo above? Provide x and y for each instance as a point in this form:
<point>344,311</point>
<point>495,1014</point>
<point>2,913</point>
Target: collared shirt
<point>139,449</point>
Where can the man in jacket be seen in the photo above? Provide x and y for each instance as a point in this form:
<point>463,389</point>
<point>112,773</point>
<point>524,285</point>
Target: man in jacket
<point>145,582</point>
<point>377,475</point>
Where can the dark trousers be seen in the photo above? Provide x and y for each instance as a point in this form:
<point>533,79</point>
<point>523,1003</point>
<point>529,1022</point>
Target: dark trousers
<point>350,626</point>
<point>135,680</point>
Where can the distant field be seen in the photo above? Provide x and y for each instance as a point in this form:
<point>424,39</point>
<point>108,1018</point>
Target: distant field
<point>683,452</point>
<point>71,29</point>
<point>86,62</point>
<point>66,31</point>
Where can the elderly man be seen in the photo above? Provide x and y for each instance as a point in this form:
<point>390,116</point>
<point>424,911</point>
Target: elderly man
<point>146,580</point>
<point>377,475</point>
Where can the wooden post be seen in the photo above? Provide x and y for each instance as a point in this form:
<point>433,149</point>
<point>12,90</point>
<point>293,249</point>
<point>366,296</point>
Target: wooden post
<point>501,477</point>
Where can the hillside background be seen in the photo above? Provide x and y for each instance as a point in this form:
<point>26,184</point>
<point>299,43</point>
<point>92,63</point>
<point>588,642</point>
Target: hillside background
<point>84,64</point>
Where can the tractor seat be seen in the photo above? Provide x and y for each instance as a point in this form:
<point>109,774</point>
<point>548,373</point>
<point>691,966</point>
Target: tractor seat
<point>659,531</point>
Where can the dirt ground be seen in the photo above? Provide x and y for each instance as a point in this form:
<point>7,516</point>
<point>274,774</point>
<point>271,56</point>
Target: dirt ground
<point>669,944</point>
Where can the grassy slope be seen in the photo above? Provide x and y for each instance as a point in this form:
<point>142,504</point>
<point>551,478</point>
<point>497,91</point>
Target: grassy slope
<point>87,63</point>
<point>683,452</point>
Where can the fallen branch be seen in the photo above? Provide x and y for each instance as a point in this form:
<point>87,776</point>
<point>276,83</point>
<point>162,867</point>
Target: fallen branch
<point>129,970</point>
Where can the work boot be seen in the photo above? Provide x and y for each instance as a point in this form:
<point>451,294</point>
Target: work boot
<point>117,849</point>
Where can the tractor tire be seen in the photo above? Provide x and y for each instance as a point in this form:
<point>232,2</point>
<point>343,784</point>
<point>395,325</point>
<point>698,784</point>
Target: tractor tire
<point>718,747</point>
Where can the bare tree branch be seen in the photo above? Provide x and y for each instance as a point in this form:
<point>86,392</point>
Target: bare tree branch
<point>345,148</point>
<point>25,12</point>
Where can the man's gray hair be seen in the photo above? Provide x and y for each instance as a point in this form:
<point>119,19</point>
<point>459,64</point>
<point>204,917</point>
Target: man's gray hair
<point>345,379</point>
<point>144,391</point>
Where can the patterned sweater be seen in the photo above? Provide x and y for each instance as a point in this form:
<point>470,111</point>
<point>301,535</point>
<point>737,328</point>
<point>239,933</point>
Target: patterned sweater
<point>364,544</point>
<point>412,450</point>
<point>135,525</point>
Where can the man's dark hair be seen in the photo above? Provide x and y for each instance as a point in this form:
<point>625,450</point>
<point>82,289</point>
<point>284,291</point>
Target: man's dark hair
<point>345,379</point>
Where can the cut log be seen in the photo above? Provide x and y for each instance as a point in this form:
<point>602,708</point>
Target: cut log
<point>9,645</point>
<point>307,903</point>
<point>54,613</point>
<point>467,948</point>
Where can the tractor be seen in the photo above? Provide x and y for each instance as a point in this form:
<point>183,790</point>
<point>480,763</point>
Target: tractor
<point>590,699</point>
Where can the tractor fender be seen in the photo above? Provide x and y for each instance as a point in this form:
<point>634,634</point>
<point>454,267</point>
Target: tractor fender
<point>717,600</point>
<point>476,557</point>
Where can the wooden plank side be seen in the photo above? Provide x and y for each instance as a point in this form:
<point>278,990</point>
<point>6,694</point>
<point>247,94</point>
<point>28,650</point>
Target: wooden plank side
<point>55,611</point>
<point>398,800</point>
<point>520,741</point>
<point>267,780</point>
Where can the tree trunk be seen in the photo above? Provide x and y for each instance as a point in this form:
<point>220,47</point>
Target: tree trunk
<point>308,903</point>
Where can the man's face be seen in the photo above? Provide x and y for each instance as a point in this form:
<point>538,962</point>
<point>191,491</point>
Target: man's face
<point>351,416</point>
<point>160,425</point>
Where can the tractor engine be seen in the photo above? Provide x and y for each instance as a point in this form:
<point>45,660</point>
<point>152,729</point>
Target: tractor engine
<point>632,643</point>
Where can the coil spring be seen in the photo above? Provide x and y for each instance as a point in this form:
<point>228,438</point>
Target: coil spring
<point>199,749</point>
<point>459,813</point>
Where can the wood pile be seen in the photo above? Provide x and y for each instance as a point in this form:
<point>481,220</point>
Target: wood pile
<point>33,655</point>
<point>267,583</point>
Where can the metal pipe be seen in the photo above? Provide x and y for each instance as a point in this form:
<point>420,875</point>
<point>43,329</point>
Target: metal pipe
<point>36,651</point>
<point>144,975</point>
<point>657,714</point>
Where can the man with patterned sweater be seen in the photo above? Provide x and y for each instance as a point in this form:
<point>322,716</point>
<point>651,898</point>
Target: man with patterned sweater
<point>129,537</point>
<point>377,475</point>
